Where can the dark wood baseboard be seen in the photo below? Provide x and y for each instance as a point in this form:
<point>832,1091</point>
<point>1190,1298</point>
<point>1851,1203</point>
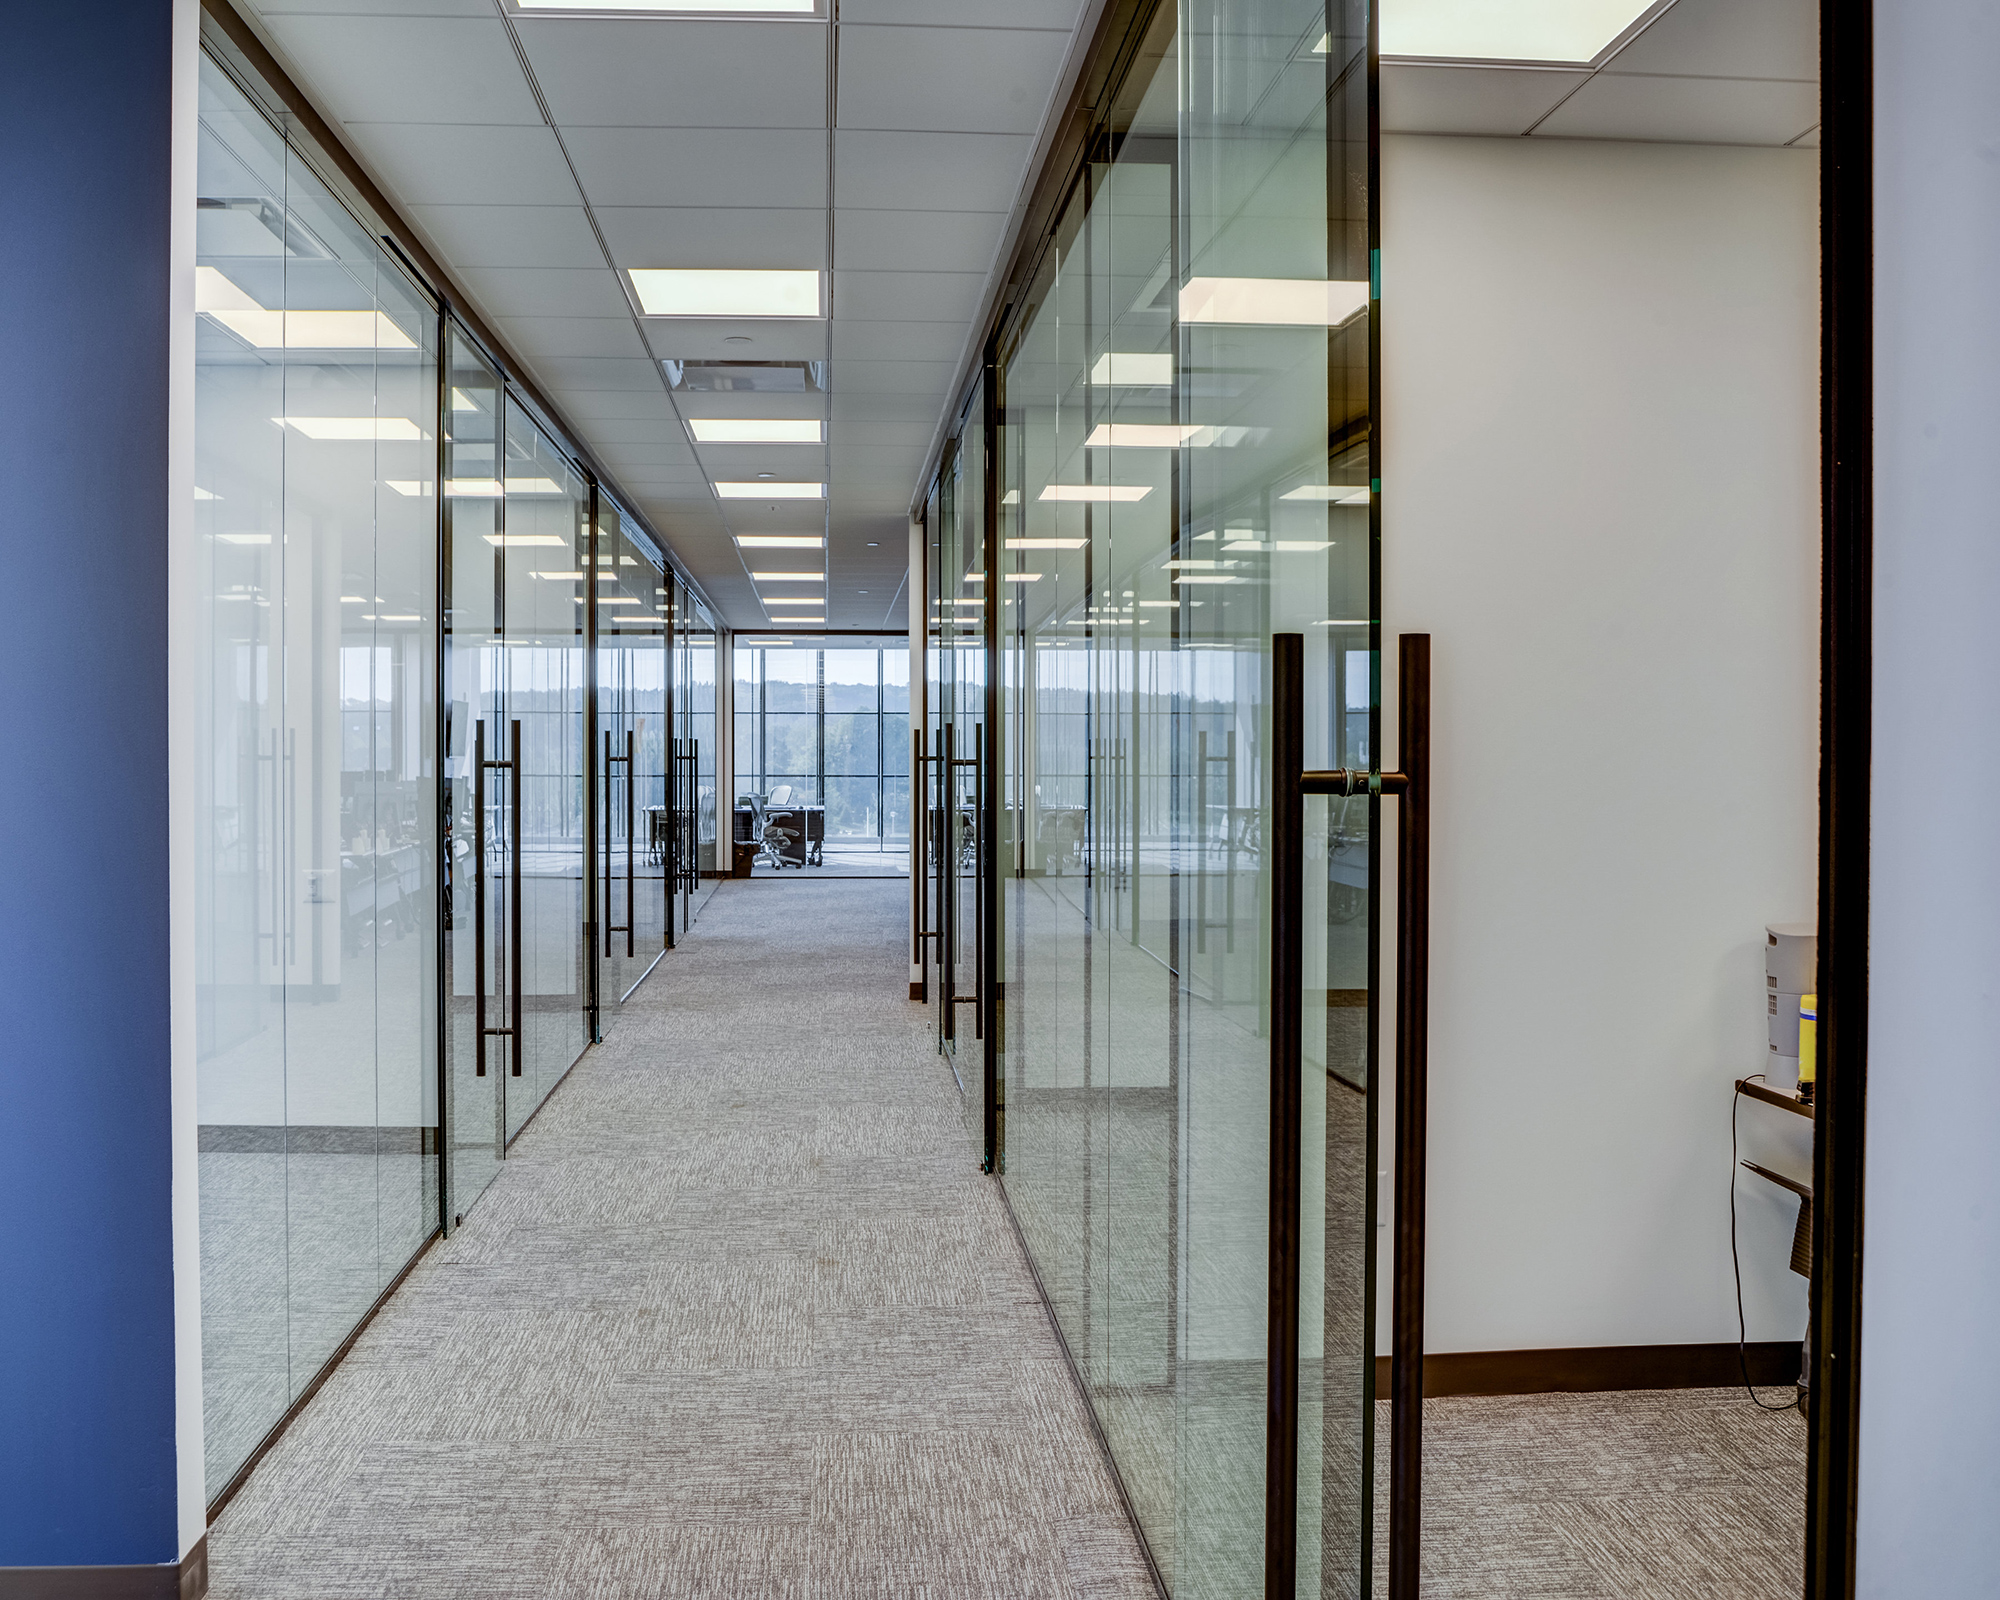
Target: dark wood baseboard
<point>186,1579</point>
<point>919,991</point>
<point>1593,1369</point>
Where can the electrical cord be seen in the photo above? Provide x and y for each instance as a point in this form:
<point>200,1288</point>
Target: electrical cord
<point>1736,1266</point>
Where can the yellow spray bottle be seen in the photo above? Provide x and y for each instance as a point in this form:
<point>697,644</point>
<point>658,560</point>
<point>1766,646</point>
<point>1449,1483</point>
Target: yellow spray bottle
<point>1808,1043</point>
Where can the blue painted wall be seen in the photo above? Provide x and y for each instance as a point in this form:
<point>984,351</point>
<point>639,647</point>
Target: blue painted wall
<point>86,1268</point>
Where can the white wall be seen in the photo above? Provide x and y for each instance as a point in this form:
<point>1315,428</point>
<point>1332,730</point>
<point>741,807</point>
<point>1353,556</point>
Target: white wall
<point>1601,438</point>
<point>1930,1389</point>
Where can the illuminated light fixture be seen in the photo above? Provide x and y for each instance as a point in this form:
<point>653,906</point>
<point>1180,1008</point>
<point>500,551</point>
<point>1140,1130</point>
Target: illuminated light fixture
<point>1198,566</point>
<point>789,577</point>
<point>354,599</point>
<point>559,577</point>
<point>244,538</point>
<point>216,296</point>
<point>408,486</point>
<point>1022,577</point>
<point>756,430</point>
<point>1281,545</point>
<point>1095,493</point>
<point>461,401</point>
<point>516,541</point>
<point>1204,577</point>
<point>1167,605</point>
<point>1274,302</point>
<point>1141,435</point>
<point>1325,44</point>
<point>1568,31</point>
<point>202,494</point>
<point>1340,494</point>
<point>616,600</point>
<point>968,600</point>
<point>1011,498</point>
<point>1201,538</point>
<point>725,292</point>
<point>672,7</point>
<point>401,616</point>
<point>770,491</point>
<point>1046,544</point>
<point>382,429</point>
<point>1343,622</point>
<point>1131,369</point>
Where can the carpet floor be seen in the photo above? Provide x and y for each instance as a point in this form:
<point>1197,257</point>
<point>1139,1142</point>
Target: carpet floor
<point>739,1316</point>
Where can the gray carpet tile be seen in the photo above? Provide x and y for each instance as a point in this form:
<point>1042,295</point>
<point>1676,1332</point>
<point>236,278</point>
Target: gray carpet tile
<point>1680,1494</point>
<point>738,1317</point>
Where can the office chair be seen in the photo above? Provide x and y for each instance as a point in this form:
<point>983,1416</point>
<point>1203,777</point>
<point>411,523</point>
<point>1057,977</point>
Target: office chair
<point>772,840</point>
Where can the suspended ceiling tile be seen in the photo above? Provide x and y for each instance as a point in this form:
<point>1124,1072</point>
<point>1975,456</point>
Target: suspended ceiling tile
<point>968,80</point>
<point>546,291</point>
<point>1495,100</point>
<point>917,241</point>
<point>962,13</point>
<point>678,72</point>
<point>882,408</point>
<point>382,68</point>
<point>606,432</point>
<point>511,236</point>
<point>973,171</point>
<point>898,341</point>
<point>595,373</point>
<point>758,167</point>
<point>1685,110</point>
<point>798,463</point>
<point>846,432</point>
<point>1729,39</point>
<point>634,406</point>
<point>545,338</point>
<point>432,164</point>
<point>895,377</point>
<point>804,405</point>
<point>712,339</point>
<point>677,454</point>
<point>926,296</point>
<point>715,236</point>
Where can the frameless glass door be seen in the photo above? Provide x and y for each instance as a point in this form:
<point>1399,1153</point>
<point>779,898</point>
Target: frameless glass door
<point>635,754</point>
<point>516,541</point>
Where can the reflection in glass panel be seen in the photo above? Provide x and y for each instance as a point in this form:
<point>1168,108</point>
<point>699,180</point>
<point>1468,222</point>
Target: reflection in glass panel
<point>1166,502</point>
<point>315,900</point>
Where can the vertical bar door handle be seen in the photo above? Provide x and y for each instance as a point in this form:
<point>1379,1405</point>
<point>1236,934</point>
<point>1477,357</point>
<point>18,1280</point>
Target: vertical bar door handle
<point>479,898</point>
<point>1413,981</point>
<point>631,783</point>
<point>604,917</point>
<point>518,838</point>
<point>1281,1419</point>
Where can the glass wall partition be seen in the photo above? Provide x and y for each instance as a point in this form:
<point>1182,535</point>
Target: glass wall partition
<point>516,543</point>
<point>634,751</point>
<point>1182,470</point>
<point>956,707</point>
<point>695,683</point>
<point>313,642</point>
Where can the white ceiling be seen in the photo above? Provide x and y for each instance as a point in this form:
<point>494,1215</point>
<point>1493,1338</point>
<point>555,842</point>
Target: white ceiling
<point>1700,72</point>
<point>540,156</point>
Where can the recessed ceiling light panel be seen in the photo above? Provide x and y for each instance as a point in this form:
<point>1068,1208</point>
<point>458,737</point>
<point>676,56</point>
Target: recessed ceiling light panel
<point>1524,30</point>
<point>753,490</point>
<point>725,292</point>
<point>780,541</point>
<point>756,430</point>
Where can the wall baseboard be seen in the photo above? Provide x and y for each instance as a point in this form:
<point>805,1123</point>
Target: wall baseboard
<point>1593,1369</point>
<point>186,1579</point>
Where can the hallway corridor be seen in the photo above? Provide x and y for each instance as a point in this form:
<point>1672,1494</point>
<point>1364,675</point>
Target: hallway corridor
<point>738,1317</point>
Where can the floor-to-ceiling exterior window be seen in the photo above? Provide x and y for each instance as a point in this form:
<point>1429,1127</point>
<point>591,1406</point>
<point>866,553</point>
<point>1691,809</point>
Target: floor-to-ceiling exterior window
<point>833,724</point>
<point>316,881</point>
<point>1182,468</point>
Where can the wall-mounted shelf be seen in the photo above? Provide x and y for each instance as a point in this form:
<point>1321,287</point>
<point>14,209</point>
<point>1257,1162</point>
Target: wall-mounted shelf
<point>1775,1097</point>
